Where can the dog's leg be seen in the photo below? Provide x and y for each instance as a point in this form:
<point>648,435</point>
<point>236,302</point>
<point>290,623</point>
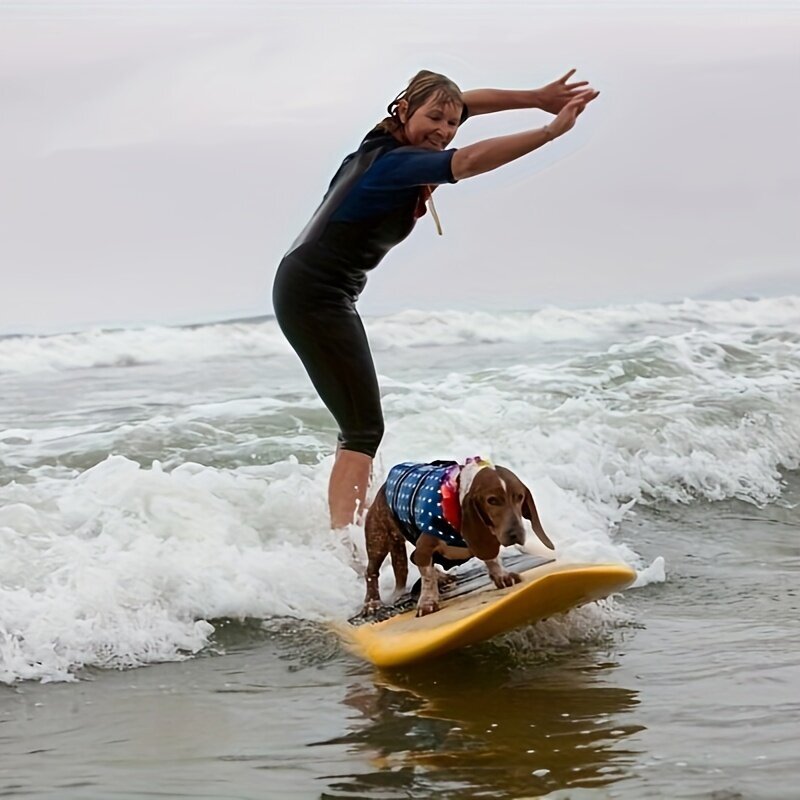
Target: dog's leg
<point>377,533</point>
<point>427,546</point>
<point>423,557</point>
<point>429,595</point>
<point>397,548</point>
<point>500,577</point>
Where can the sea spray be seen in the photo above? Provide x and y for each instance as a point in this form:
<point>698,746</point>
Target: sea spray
<point>153,482</point>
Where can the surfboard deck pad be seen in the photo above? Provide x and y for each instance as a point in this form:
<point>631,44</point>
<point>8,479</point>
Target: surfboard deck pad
<point>465,581</point>
<point>474,610</point>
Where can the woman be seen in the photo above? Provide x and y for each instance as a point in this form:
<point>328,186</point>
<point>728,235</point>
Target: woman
<point>371,205</point>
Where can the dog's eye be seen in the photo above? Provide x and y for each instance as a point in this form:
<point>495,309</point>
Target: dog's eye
<point>494,501</point>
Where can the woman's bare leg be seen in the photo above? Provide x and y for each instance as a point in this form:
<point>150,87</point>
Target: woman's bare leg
<point>347,489</point>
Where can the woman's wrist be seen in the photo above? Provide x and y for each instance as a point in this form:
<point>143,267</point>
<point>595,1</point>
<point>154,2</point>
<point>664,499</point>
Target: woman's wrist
<point>533,99</point>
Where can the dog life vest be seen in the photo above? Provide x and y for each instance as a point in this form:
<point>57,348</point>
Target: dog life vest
<point>424,499</point>
<point>416,496</point>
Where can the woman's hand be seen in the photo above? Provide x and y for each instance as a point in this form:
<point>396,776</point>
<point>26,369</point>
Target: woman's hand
<point>551,98</point>
<point>475,159</point>
<point>565,118</point>
<point>555,96</point>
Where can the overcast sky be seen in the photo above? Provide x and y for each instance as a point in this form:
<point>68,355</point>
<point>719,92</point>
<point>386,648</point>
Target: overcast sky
<point>157,159</point>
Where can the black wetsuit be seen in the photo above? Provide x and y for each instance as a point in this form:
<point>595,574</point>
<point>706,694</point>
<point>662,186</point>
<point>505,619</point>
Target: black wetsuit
<point>371,205</point>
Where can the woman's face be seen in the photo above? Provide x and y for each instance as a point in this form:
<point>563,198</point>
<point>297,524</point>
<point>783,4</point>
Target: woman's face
<point>433,125</point>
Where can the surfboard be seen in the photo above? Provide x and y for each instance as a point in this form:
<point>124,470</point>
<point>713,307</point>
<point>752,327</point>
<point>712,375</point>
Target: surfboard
<point>474,610</point>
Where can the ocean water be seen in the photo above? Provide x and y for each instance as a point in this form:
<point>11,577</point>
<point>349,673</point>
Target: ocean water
<point>167,578</point>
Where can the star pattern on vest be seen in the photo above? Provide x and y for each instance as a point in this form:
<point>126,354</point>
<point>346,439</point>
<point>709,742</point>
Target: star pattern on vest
<point>415,495</point>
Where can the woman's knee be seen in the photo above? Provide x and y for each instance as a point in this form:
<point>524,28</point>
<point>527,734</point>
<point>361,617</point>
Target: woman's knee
<point>364,440</point>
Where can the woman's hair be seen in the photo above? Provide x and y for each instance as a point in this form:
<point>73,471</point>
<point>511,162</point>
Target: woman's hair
<point>421,88</point>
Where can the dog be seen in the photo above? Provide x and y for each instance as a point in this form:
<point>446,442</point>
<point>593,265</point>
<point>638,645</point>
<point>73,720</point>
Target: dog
<point>451,513</point>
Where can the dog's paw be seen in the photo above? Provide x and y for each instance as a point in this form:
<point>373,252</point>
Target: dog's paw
<point>428,607</point>
<point>373,608</point>
<point>505,579</point>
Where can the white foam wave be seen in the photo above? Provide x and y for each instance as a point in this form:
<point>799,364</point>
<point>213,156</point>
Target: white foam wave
<point>672,418</point>
<point>404,330</point>
<point>585,624</point>
<point>121,564</point>
<point>126,348</point>
<point>410,329</point>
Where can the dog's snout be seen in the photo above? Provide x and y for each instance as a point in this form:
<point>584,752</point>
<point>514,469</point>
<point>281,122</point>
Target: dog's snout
<point>514,534</point>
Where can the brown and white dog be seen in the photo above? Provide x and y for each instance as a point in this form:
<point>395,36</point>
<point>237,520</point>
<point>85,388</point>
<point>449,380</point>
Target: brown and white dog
<point>450,513</point>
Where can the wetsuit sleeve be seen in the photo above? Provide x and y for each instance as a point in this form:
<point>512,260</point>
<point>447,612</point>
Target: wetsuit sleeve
<point>413,166</point>
<point>410,166</point>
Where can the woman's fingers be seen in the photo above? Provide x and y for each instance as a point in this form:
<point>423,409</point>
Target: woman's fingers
<point>576,102</point>
<point>586,99</point>
<point>579,102</point>
<point>571,86</point>
<point>569,113</point>
<point>585,96</point>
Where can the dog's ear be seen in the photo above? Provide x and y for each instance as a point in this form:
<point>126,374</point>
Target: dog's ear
<point>476,530</point>
<point>529,512</point>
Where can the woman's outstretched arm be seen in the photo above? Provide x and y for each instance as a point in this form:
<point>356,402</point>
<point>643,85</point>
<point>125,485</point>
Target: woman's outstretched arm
<point>475,159</point>
<point>551,98</point>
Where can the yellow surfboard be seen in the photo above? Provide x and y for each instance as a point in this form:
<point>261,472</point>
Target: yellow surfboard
<point>546,589</point>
